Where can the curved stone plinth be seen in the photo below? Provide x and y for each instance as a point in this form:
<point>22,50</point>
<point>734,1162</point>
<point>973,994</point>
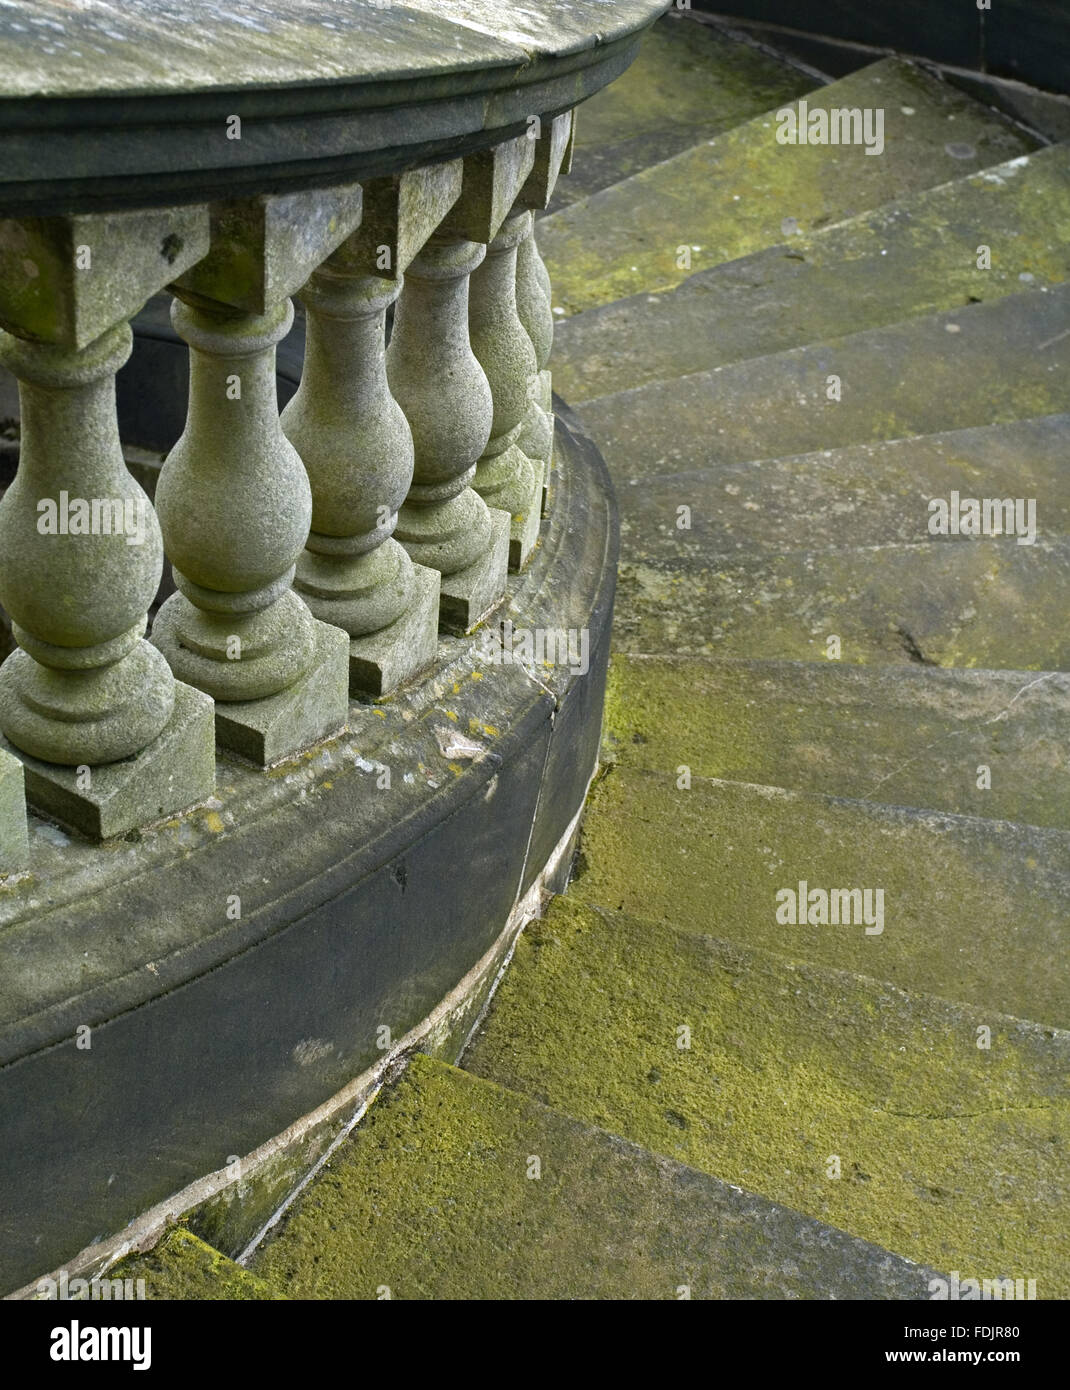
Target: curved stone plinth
<point>175,999</point>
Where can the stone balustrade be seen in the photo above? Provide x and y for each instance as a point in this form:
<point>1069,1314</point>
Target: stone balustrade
<point>314,556</point>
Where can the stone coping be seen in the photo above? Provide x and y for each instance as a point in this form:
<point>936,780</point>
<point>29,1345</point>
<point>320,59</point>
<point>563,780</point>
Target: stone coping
<point>132,102</point>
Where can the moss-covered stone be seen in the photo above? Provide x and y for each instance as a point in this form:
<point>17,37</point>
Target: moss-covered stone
<point>916,255</point>
<point>730,196</point>
<point>903,735</point>
<point>437,1196</point>
<point>947,1153</point>
<point>183,1267</point>
<point>689,83</point>
<point>990,604</point>
<point>973,910</point>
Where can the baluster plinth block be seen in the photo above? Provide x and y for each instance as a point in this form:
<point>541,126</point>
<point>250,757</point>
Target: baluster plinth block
<point>14,840</point>
<point>233,496</point>
<point>356,443</point>
<point>108,738</point>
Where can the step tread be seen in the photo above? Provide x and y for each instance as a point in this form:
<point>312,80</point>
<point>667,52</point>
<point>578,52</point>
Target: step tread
<point>182,1266</point>
<point>730,196</point>
<point>431,1199</point>
<point>690,82</point>
<point>990,603</point>
<point>857,495</point>
<point>950,1155</point>
<point>904,735</point>
<point>981,364</point>
<point>916,255</point>
<point>974,909</point>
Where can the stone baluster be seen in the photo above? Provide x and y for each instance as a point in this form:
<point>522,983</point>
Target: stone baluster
<point>443,389</point>
<point>553,156</point>
<point>533,305</point>
<point>108,739</point>
<point>233,497</point>
<point>506,477</point>
<point>356,443</point>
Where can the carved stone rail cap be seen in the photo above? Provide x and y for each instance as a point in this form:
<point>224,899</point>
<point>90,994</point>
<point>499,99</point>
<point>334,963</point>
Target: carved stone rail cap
<point>265,248</point>
<point>136,103</point>
<point>66,280</point>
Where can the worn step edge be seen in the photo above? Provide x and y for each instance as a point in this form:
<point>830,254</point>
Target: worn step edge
<point>603,1206</point>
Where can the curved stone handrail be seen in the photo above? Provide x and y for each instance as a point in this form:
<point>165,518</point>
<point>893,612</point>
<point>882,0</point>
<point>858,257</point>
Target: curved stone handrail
<point>132,102</point>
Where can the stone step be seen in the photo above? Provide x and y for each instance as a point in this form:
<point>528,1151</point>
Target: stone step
<point>990,603</point>
<point>903,735</point>
<point>974,909</point>
<point>181,1266</point>
<point>437,1196</point>
<point>948,1154</point>
<point>734,194</point>
<point>689,83</point>
<point>979,365</point>
<point>862,494</point>
<point>916,255</point>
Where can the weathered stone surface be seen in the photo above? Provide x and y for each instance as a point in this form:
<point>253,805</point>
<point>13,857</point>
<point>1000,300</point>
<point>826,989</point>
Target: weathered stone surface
<point>174,772</point>
<point>86,689</point>
<point>860,495</point>
<point>730,196</point>
<point>469,595</point>
<point>263,249</point>
<point>183,1267</point>
<point>552,147</point>
<point>357,449</point>
<point>131,47</point>
<point>916,255</point>
<point>949,1154</point>
<point>380,661</point>
<point>14,846</point>
<point>434,374</point>
<point>490,185</point>
<point>993,603</point>
<point>67,280</point>
<point>283,725</point>
<point>689,83</point>
<point>957,890</point>
<point>903,735</point>
<point>979,365</point>
<point>400,211</point>
<point>449,1155</point>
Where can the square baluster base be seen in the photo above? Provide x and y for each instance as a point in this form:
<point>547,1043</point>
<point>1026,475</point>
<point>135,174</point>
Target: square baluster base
<point>14,842</point>
<point>524,527</point>
<point>548,482</point>
<point>176,771</point>
<point>471,594</point>
<point>268,730</point>
<point>379,662</point>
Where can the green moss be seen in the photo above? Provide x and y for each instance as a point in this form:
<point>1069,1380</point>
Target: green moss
<point>948,1154</point>
<point>688,83</point>
<point>182,1267</point>
<point>730,196</point>
<point>956,893</point>
<point>437,1196</point>
<point>911,736</point>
